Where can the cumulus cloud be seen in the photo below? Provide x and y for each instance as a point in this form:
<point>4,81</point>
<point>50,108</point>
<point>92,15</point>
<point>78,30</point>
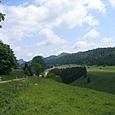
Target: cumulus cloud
<point>89,19</point>
<point>29,54</point>
<point>48,37</point>
<point>22,21</point>
<point>19,22</point>
<point>96,5</point>
<point>112,2</point>
<point>106,40</point>
<point>92,34</point>
<point>83,46</point>
<point>17,49</point>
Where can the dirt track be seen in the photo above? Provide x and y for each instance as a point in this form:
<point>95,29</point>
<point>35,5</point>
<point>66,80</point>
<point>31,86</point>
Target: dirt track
<point>11,80</point>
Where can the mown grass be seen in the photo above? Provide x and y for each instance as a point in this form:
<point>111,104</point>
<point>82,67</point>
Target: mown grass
<point>102,79</point>
<point>48,97</point>
<point>13,75</point>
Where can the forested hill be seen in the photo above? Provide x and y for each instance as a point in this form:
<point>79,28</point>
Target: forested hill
<point>99,56</point>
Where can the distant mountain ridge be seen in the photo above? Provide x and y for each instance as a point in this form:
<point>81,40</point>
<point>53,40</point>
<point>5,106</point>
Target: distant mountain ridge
<point>99,56</point>
<point>55,57</point>
<point>21,61</point>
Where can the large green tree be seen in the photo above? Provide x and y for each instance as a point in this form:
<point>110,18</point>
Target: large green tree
<point>7,59</point>
<point>38,64</point>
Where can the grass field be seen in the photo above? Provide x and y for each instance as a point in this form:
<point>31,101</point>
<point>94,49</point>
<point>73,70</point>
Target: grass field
<point>13,75</point>
<point>102,79</point>
<point>48,97</point>
<point>43,96</point>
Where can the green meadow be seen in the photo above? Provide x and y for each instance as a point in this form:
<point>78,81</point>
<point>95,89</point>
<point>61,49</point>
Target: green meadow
<point>13,75</point>
<point>102,79</point>
<point>44,96</point>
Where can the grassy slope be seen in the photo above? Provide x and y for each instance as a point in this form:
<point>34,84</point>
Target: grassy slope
<point>13,75</point>
<point>101,79</point>
<point>48,97</point>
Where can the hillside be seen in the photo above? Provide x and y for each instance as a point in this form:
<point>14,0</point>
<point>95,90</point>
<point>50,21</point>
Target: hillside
<point>13,75</point>
<point>22,63</point>
<point>48,97</point>
<point>99,56</point>
<point>102,79</point>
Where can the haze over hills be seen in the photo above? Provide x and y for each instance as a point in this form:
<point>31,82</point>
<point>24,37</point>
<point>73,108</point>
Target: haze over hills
<point>21,61</point>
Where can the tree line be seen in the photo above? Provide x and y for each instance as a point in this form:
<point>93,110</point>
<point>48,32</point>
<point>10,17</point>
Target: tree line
<point>36,67</point>
<point>99,56</point>
<point>8,62</point>
<point>69,75</point>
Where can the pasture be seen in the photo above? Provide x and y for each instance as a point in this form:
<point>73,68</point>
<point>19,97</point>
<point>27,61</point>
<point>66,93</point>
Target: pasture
<point>44,96</point>
<point>102,79</point>
<point>13,75</point>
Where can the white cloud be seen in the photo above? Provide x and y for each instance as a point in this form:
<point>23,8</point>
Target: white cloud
<point>19,22</point>
<point>48,38</point>
<point>112,2</point>
<point>96,5</point>
<point>91,20</point>
<point>17,49</point>
<point>22,21</point>
<point>92,34</point>
<point>83,46</point>
<point>29,54</point>
<point>106,40</point>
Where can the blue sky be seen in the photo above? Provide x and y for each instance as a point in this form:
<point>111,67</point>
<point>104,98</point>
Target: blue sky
<point>50,27</point>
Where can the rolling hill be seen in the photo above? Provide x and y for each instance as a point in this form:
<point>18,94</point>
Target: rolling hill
<point>102,79</point>
<point>99,56</point>
<point>48,97</point>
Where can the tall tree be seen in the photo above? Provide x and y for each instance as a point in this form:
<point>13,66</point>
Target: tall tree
<point>27,70</point>
<point>7,59</point>
<point>38,65</point>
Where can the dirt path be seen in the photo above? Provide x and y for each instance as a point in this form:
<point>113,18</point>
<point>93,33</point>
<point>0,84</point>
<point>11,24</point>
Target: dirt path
<point>12,80</point>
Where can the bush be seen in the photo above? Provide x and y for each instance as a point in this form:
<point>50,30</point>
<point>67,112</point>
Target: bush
<point>54,77</point>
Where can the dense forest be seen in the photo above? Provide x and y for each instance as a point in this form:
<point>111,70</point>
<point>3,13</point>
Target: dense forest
<point>99,56</point>
<point>69,75</point>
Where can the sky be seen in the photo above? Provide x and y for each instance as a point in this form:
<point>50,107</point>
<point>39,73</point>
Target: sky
<point>50,27</point>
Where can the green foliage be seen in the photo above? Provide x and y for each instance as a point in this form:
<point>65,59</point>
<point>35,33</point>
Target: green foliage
<point>101,80</point>
<point>7,59</point>
<point>54,77</point>
<point>27,70</point>
<point>13,75</point>
<point>69,75</point>
<point>38,65</point>
<point>48,97</point>
<point>99,56</point>
<point>88,80</point>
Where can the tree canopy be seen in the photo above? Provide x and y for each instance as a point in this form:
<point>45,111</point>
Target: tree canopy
<point>99,56</point>
<point>7,59</point>
<point>38,64</point>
